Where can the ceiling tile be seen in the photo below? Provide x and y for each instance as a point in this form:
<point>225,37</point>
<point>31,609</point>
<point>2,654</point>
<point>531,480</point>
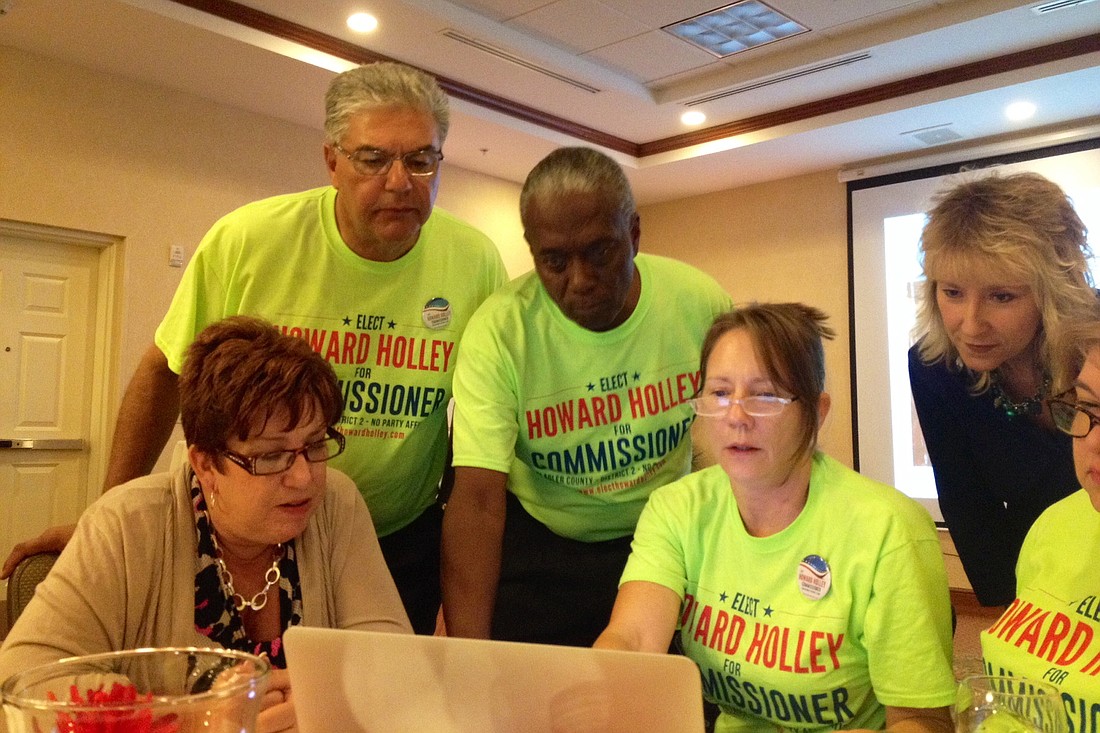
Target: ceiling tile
<point>652,56</point>
<point>821,16</point>
<point>658,13</point>
<point>580,25</point>
<point>501,10</point>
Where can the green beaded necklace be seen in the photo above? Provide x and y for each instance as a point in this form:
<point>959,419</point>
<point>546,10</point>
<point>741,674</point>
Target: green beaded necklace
<point>1028,406</point>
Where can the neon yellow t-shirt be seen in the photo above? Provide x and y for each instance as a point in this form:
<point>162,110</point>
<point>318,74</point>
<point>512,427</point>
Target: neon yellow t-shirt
<point>817,627</point>
<point>586,424</point>
<point>1051,632</point>
<point>390,329</point>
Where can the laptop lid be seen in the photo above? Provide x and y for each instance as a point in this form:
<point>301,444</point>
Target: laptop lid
<point>396,683</point>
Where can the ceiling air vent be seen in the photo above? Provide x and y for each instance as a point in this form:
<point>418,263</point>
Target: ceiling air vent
<point>796,74</point>
<point>934,135</point>
<point>1057,5</point>
<point>500,53</point>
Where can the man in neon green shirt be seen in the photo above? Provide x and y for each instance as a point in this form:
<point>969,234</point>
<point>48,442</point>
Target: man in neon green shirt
<point>375,280</point>
<point>570,408</point>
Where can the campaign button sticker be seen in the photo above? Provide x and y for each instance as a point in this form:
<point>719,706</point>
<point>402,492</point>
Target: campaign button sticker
<point>814,577</point>
<point>437,313</point>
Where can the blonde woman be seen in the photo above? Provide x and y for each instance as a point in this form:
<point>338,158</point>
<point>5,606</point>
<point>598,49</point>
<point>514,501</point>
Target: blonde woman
<point>1005,263</point>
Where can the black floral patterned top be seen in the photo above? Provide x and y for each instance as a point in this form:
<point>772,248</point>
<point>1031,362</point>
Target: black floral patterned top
<point>216,617</point>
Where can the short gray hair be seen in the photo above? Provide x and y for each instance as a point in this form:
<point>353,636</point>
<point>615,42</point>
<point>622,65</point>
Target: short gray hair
<point>577,170</point>
<point>383,84</point>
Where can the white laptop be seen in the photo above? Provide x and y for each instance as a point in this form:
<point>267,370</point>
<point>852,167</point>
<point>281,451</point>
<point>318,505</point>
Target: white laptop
<point>347,681</point>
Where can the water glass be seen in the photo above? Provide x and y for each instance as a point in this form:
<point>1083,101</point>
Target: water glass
<point>164,690</point>
<point>986,704</point>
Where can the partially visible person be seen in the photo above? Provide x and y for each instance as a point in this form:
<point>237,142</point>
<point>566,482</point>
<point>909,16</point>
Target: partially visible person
<point>249,536</point>
<point>570,408</point>
<point>376,280</point>
<point>811,598</point>
<point>1004,263</point>
<point>1051,631</point>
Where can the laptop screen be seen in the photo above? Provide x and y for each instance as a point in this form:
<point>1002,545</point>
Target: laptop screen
<point>392,683</point>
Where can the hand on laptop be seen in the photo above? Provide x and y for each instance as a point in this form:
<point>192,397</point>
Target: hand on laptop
<point>277,708</point>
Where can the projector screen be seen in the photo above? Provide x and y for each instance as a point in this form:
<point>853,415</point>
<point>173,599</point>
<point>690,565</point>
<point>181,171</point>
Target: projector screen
<point>886,215</point>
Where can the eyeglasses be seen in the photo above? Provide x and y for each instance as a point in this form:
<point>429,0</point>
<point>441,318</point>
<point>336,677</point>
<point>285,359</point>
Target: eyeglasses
<point>267,464</point>
<point>713,404</point>
<point>375,162</point>
<point>1072,419</point>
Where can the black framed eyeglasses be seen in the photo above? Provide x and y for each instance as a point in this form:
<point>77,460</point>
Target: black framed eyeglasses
<point>376,162</point>
<point>712,404</point>
<point>267,464</point>
<point>1072,419</point>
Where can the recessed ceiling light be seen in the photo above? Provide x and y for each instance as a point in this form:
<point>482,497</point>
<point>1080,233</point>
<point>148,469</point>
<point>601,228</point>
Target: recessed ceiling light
<point>693,117</point>
<point>1020,111</point>
<point>362,22</point>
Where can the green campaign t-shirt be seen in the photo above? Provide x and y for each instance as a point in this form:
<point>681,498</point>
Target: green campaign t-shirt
<point>586,424</point>
<point>390,329</point>
<point>1051,632</point>
<point>816,627</point>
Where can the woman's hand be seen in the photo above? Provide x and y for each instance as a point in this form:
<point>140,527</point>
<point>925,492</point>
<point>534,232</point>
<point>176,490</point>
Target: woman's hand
<point>918,720</point>
<point>53,539</point>
<point>277,707</point>
<point>914,720</point>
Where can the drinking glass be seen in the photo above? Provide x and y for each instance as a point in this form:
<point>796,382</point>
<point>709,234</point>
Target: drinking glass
<point>987,704</point>
<point>163,690</point>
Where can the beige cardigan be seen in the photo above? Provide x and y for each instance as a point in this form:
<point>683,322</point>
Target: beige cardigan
<point>127,578</point>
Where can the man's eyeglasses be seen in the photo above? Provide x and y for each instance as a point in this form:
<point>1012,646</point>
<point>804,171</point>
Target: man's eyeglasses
<point>715,404</point>
<point>375,162</point>
<point>1072,419</point>
<point>266,464</point>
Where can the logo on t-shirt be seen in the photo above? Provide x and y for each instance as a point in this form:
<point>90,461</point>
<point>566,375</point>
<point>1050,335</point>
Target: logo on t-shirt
<point>814,577</point>
<point>437,313</point>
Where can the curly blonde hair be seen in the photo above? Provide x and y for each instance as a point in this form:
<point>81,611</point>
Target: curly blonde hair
<point>1021,228</point>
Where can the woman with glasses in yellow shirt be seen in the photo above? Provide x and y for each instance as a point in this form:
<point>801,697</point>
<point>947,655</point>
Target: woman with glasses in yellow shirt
<point>811,597</point>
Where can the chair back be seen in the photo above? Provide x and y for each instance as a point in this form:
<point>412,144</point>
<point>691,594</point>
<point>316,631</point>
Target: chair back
<point>24,579</point>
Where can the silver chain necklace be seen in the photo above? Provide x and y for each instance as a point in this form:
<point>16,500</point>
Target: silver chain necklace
<point>271,577</point>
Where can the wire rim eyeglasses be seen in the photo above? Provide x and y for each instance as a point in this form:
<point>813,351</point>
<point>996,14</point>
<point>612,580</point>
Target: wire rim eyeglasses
<point>715,405</point>
<point>375,162</point>
<point>268,464</point>
<point>1072,419</point>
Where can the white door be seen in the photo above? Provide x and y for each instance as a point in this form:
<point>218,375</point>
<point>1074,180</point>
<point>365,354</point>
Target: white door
<point>49,298</point>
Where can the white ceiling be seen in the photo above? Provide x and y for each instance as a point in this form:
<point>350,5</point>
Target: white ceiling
<point>639,78</point>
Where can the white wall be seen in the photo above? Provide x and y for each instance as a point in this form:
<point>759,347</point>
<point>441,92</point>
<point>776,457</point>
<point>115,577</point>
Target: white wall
<point>100,153</point>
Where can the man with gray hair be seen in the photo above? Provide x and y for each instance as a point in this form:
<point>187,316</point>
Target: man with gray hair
<point>377,281</point>
<point>570,408</point>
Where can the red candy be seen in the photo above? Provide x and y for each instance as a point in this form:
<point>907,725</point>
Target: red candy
<point>112,721</point>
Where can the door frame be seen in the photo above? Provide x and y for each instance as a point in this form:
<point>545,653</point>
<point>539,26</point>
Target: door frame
<point>107,334</point>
